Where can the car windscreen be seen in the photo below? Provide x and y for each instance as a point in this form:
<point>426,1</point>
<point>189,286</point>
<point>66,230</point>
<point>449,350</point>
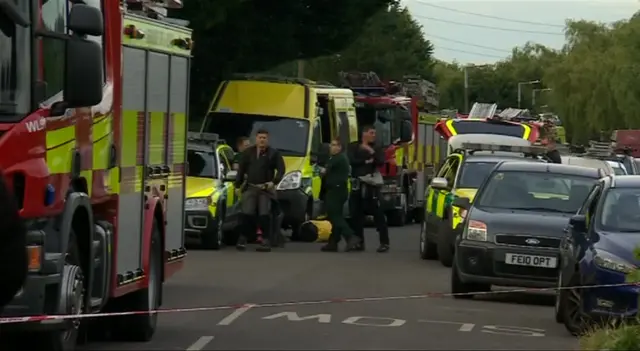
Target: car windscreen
<point>482,127</point>
<point>535,191</point>
<point>621,211</point>
<point>618,169</point>
<point>288,135</point>
<point>202,164</point>
<point>473,174</point>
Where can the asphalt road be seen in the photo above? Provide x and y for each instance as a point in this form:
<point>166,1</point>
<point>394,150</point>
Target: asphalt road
<point>300,272</point>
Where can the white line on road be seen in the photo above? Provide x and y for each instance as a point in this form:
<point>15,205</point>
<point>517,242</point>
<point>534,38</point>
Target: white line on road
<point>235,315</point>
<point>439,322</point>
<point>200,343</point>
<point>467,327</point>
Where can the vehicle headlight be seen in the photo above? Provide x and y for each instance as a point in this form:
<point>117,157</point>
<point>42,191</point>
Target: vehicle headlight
<point>290,181</point>
<point>197,204</point>
<point>475,230</point>
<point>612,262</point>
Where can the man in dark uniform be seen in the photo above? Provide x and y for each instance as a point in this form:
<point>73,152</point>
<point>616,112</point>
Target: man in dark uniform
<point>365,158</point>
<point>13,246</point>
<point>260,169</point>
<point>336,178</point>
<point>241,144</point>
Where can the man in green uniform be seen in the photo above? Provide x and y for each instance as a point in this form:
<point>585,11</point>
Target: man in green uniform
<point>336,176</point>
<point>242,144</point>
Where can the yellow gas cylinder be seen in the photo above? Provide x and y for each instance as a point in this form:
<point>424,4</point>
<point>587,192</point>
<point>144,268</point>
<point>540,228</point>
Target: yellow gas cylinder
<point>315,231</point>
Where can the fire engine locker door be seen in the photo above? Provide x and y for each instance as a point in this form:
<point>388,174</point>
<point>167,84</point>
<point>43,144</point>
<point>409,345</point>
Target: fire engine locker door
<point>157,183</point>
<point>176,148</point>
<point>130,198</point>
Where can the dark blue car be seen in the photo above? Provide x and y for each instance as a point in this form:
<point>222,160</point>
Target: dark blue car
<point>598,249</point>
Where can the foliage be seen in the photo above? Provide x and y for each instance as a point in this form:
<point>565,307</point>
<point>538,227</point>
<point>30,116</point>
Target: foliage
<point>390,44</point>
<point>252,35</point>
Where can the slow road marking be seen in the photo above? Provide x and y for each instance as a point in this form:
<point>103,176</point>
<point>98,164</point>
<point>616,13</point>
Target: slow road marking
<point>235,315</point>
<point>200,343</point>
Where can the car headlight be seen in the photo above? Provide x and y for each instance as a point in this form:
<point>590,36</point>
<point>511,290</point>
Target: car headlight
<point>612,262</point>
<point>197,204</point>
<point>290,181</point>
<point>475,230</point>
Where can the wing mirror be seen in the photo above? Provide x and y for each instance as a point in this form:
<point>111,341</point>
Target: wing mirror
<point>406,132</point>
<point>439,183</point>
<point>579,223</point>
<point>462,202</point>
<point>231,176</point>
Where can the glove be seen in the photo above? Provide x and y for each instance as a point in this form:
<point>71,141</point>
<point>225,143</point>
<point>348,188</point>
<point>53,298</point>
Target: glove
<point>237,191</point>
<point>268,185</point>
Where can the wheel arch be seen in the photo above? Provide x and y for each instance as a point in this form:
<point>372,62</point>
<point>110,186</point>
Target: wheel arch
<point>77,216</point>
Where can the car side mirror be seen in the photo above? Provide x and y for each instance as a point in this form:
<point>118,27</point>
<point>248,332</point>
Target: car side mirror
<point>231,176</point>
<point>439,183</point>
<point>462,202</point>
<point>579,223</point>
<point>406,132</point>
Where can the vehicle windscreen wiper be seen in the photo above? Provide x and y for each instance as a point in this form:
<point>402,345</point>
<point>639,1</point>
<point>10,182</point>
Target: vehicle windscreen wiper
<point>544,209</point>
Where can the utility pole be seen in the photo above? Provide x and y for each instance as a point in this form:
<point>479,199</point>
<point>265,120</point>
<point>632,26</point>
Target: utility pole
<point>533,95</point>
<point>466,84</point>
<point>520,84</point>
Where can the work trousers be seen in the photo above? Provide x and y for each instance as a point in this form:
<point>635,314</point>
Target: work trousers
<point>335,198</point>
<point>365,200</point>
<point>256,209</point>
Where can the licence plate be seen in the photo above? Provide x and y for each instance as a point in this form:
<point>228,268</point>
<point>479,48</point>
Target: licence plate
<point>531,261</point>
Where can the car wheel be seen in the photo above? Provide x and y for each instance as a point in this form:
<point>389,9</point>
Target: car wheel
<point>428,250</point>
<point>572,310</point>
<point>445,251</point>
<point>462,290</point>
<point>212,240</point>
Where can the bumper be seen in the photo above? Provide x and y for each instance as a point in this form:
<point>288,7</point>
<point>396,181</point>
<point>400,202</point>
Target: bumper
<point>34,300</point>
<point>293,204</point>
<point>606,303</point>
<point>197,223</point>
<point>484,262</point>
<point>391,201</point>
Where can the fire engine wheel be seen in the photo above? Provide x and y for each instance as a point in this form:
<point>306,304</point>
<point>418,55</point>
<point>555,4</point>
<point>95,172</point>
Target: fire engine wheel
<point>141,327</point>
<point>397,218</point>
<point>72,296</point>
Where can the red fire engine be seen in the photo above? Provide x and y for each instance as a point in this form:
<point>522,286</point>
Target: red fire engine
<point>92,140</point>
<point>392,118</point>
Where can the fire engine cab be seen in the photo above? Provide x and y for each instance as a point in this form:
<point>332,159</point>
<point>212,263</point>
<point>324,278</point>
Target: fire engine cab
<point>93,116</point>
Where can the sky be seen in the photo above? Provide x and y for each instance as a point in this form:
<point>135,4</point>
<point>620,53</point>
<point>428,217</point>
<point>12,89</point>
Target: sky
<point>479,45</point>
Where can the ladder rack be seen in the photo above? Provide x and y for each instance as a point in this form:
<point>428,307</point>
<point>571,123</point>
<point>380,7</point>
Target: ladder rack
<point>156,9</point>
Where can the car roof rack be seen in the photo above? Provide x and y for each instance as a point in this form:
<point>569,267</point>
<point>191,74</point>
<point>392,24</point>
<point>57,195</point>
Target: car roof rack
<point>528,150</point>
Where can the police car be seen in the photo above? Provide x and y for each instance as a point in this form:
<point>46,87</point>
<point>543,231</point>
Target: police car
<point>207,191</point>
<point>511,233</point>
<point>471,160</point>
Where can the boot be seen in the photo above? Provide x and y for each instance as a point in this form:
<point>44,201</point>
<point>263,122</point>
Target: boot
<point>330,247</point>
<point>242,243</point>
<point>354,244</point>
<point>265,246</point>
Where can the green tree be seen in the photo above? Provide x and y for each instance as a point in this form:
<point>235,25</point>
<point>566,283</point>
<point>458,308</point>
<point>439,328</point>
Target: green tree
<point>390,44</point>
<point>252,35</point>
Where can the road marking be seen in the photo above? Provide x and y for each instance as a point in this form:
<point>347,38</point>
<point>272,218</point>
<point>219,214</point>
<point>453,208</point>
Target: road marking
<point>200,343</point>
<point>235,315</point>
<point>439,322</point>
<point>467,327</point>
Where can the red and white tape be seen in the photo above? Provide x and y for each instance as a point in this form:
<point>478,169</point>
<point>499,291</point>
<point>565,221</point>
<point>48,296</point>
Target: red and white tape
<point>41,318</point>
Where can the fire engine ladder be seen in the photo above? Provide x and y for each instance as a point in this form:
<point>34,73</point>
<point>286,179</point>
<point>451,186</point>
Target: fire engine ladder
<point>156,9</point>
<point>483,110</point>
